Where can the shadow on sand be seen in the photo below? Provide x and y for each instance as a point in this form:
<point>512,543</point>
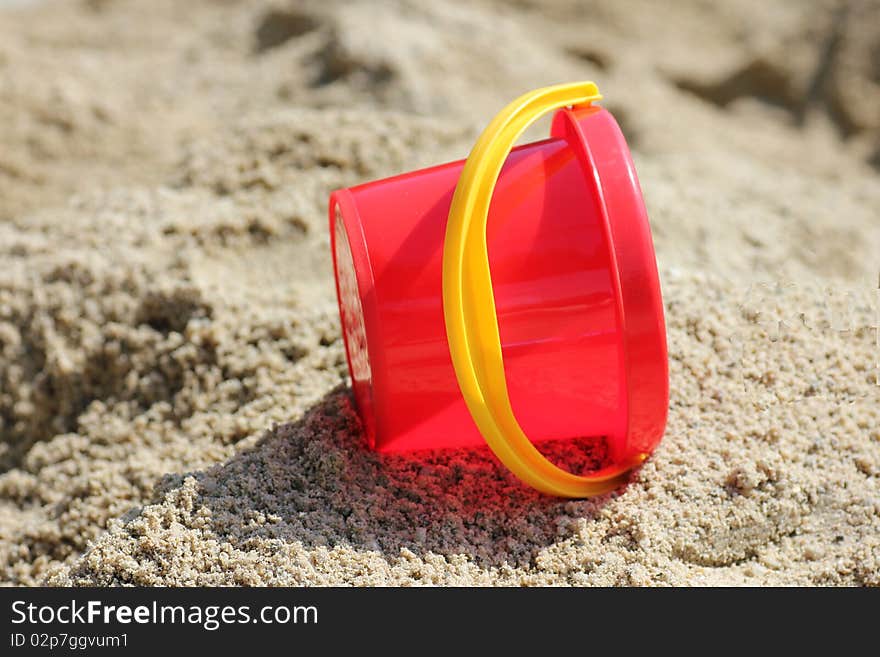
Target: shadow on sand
<point>318,484</point>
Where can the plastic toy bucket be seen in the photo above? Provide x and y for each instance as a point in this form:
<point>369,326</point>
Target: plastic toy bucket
<point>565,338</point>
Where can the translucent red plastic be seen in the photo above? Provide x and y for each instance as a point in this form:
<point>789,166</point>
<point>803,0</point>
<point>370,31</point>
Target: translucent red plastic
<point>576,289</point>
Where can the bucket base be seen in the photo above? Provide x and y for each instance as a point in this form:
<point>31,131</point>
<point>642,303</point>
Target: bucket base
<point>353,327</point>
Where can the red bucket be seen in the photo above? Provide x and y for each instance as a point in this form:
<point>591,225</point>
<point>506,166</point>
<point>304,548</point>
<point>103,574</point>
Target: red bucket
<point>579,310</point>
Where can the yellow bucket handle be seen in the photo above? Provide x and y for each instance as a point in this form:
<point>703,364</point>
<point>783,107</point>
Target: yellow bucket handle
<point>469,304</point>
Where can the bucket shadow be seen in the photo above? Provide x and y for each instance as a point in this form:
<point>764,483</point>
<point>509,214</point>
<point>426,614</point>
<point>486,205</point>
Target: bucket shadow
<point>317,483</point>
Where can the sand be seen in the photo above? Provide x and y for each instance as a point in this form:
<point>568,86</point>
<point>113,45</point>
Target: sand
<point>173,391</point>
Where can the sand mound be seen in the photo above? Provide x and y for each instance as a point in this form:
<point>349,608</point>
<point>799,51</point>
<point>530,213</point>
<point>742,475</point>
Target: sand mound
<point>173,401</point>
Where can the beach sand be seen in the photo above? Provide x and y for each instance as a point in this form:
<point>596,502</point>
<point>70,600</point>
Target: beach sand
<point>174,405</point>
